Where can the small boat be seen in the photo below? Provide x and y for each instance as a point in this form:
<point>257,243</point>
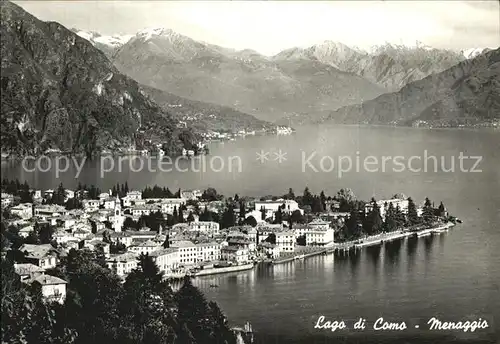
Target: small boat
<point>214,286</point>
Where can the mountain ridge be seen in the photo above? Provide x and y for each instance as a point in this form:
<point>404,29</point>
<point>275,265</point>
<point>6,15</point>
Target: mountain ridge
<point>60,92</point>
<point>463,95</point>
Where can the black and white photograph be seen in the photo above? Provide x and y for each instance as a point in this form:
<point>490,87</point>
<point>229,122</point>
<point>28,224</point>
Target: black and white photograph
<point>250,172</point>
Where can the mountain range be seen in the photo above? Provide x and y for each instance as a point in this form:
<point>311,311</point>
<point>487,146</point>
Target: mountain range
<point>467,94</point>
<point>296,85</point>
<point>81,91</point>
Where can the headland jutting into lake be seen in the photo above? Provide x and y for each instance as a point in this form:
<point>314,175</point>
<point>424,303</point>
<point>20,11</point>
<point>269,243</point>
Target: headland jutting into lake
<point>195,233</point>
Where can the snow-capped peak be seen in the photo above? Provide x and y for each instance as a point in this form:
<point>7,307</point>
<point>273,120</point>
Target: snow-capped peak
<point>472,52</point>
<point>149,33</point>
<point>111,41</point>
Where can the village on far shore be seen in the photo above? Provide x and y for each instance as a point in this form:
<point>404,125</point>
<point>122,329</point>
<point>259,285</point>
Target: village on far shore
<point>194,232</point>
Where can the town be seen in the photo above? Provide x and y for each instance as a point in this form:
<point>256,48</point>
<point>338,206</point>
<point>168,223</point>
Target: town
<point>194,232</point>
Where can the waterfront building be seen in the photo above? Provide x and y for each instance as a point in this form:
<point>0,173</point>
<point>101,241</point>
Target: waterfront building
<point>191,254</point>
<point>166,259</point>
<point>319,224</point>
<point>235,254</point>
<point>320,237</point>
<point>285,241</point>
<point>270,250</point>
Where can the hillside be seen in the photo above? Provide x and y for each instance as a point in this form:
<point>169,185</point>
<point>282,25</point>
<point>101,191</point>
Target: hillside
<point>60,92</point>
<point>203,117</point>
<point>244,80</point>
<point>467,94</point>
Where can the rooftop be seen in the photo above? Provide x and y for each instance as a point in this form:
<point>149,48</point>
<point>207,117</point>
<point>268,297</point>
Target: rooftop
<point>49,280</point>
<point>26,269</point>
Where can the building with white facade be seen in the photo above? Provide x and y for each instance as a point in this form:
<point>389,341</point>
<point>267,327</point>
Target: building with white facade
<point>122,264</point>
<point>48,211</point>
<point>144,247</point>
<point>44,256</point>
<point>23,210</point>
<point>384,205</point>
<point>320,237</point>
<point>169,204</point>
<point>167,259</point>
<point>53,288</point>
<point>204,226</point>
<point>235,254</point>
<point>285,241</point>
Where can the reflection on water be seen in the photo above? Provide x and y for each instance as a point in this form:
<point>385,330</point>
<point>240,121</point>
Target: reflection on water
<point>428,240</point>
<point>391,250</point>
<point>373,253</point>
<point>411,249</point>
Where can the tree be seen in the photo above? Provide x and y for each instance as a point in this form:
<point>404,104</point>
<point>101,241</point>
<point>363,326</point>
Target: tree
<point>441,209</point>
<point>390,223</point>
<point>373,222</point>
<point>301,240</point>
<point>180,217</point>
<point>190,217</point>
<point>290,195</point>
<point>251,221</point>
<point>428,212</point>
<point>59,195</point>
<point>228,218</point>
<point>297,217</point>
<point>317,205</point>
<point>209,195</point>
<point>278,216</point>
<point>307,198</point>
<point>271,238</point>
<point>242,209</point>
<point>322,198</point>
<point>413,218</point>
<point>399,217</point>
<point>352,225</point>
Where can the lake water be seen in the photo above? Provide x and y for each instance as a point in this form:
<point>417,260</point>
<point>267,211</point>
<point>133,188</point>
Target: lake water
<point>455,276</point>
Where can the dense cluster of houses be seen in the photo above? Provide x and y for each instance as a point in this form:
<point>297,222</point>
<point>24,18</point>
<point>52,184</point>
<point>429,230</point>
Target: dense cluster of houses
<point>100,225</point>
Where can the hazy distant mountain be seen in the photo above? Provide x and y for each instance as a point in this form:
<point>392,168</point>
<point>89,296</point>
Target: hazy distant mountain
<point>465,94</point>
<point>244,80</point>
<point>390,66</point>
<point>107,44</point>
<point>58,91</point>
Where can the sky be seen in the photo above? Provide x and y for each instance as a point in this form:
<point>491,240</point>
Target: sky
<point>272,26</point>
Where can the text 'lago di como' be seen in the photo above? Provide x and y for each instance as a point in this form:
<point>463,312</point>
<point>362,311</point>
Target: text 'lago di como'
<point>381,324</point>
